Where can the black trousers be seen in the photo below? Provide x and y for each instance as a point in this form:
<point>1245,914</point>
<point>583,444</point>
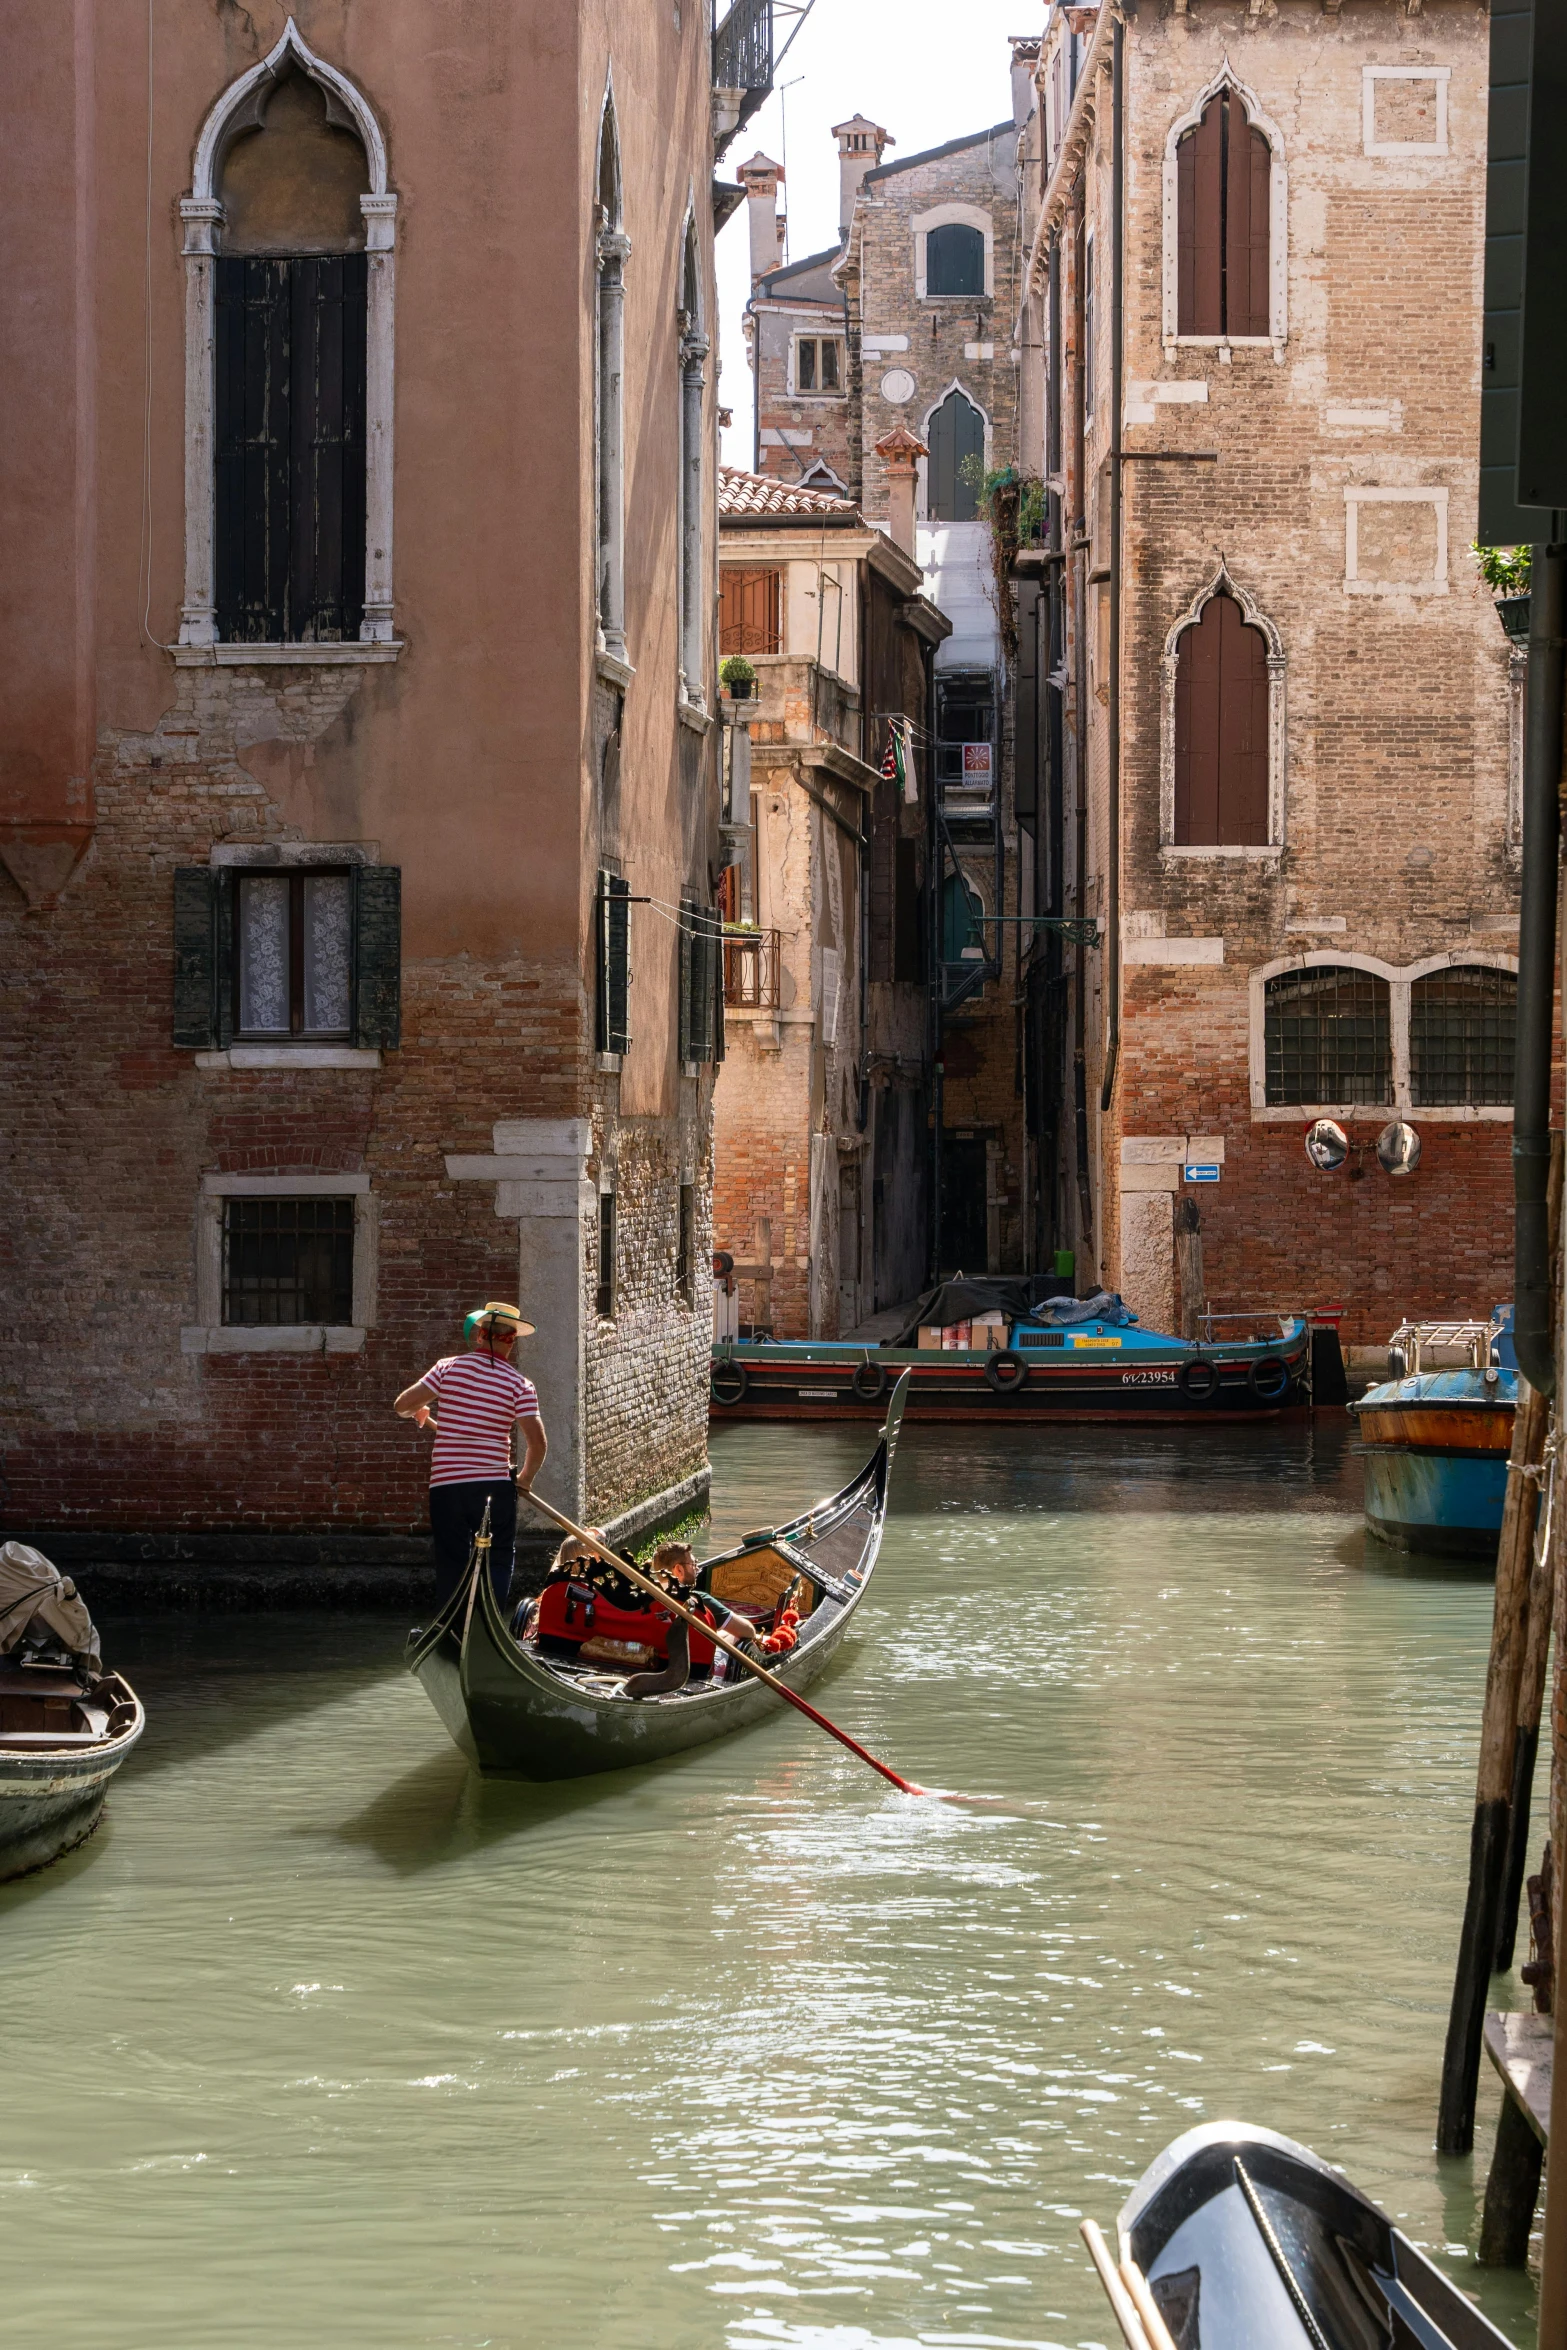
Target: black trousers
<point>456,1514</point>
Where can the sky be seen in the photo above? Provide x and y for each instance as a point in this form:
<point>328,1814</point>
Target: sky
<point>928,69</point>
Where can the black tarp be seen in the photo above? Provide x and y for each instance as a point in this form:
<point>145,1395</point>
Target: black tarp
<point>1020,1296</point>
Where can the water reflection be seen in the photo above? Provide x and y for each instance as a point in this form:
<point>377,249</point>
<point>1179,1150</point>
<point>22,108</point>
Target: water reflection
<point>748,2049</point>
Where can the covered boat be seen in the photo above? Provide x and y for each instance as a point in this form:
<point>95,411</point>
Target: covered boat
<point>1434,1441</point>
<point>550,1702</point>
<point>1002,1350</point>
<point>65,1724</point>
<point>1238,2239</point>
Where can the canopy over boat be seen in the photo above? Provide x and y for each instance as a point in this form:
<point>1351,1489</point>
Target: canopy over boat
<point>547,1707</point>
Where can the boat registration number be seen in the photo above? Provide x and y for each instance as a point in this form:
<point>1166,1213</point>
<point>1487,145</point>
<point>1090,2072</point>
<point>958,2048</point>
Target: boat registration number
<point>1096,1342</point>
<point>820,1394</point>
<point>1148,1378</point>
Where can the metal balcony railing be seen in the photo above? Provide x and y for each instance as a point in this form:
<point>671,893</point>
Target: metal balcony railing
<point>743,49</point>
<point>751,968</point>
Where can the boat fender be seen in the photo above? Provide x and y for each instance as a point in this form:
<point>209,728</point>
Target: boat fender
<point>869,1382</point>
<point>1198,1379</point>
<point>735,1380</point>
<point>1269,1379</point>
<point>1005,1372</point>
<point>784,1634</point>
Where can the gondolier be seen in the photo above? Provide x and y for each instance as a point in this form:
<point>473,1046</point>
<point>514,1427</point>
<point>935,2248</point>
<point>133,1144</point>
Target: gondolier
<point>481,1399</point>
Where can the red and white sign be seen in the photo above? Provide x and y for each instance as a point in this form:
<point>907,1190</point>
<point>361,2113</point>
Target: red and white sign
<point>976,762</point>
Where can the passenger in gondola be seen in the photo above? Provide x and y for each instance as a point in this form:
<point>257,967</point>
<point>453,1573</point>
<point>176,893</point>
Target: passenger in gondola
<point>674,1564</point>
<point>481,1398</point>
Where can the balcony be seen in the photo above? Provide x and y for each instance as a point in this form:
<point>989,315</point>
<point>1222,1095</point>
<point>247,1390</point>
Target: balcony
<point>742,67</point>
<point>751,968</point>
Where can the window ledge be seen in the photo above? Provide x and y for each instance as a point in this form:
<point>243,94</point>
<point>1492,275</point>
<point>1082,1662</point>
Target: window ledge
<point>608,1064</point>
<point>293,1056</point>
<point>693,715</point>
<point>613,670</point>
<point>1173,849</point>
<point>344,656</point>
<point>1364,1113</point>
<point>293,1338</point>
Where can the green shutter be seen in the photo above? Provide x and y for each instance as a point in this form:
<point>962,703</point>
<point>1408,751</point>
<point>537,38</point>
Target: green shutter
<point>195,958</point>
<point>700,1022</point>
<point>688,918</point>
<point>378,955</point>
<point>612,924</point>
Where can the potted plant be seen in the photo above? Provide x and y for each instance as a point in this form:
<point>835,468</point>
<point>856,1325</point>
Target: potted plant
<point>737,677</point>
<point>1505,571</point>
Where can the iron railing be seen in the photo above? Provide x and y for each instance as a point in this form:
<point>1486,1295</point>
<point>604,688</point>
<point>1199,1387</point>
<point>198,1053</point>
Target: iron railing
<point>751,968</point>
<point>743,48</point>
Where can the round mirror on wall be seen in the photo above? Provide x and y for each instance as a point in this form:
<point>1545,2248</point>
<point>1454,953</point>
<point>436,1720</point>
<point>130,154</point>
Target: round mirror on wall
<point>1398,1148</point>
<point>1327,1146</point>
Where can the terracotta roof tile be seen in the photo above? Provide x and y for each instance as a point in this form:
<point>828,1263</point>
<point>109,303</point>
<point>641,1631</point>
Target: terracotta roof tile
<point>759,494</point>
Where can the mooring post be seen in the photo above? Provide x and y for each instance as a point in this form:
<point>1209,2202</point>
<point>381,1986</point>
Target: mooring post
<point>1528,1530</point>
<point>1488,1841</point>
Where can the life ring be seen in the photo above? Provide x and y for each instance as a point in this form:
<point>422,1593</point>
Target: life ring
<point>869,1381</point>
<point>1269,1379</point>
<point>1005,1372</point>
<point>735,1379</point>
<point>1198,1380</point>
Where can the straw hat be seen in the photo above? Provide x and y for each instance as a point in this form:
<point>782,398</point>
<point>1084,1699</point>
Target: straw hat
<point>496,1312</point>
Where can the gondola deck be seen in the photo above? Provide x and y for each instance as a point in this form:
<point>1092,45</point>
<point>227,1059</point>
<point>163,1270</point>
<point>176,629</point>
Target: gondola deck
<point>60,1745</point>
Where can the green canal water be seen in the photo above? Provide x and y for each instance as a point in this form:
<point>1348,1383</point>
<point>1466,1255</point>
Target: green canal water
<point>321,2041</point>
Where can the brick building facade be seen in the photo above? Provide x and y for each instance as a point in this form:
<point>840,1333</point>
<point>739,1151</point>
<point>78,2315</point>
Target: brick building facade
<point>348,977</point>
<point>1308,897</point>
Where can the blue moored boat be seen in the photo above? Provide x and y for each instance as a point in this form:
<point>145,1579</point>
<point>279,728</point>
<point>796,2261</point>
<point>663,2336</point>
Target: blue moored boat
<point>1435,1442</point>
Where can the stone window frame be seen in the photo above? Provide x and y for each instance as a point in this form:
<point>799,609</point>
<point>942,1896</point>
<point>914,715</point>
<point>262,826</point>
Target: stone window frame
<point>1278,224</point>
<point>209,1334</point>
<point>1370,75</point>
<point>1360,494</point>
<point>281,857</point>
<point>953,215</point>
<point>201,217</point>
<point>1400,978</point>
<point>922,468</point>
<point>817,334</point>
<point>1224,582</point>
<point>612,250</point>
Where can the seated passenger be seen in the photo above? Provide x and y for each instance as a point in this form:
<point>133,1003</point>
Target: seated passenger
<point>674,1564</point>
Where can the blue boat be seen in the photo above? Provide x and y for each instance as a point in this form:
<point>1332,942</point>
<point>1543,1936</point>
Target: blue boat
<point>1435,1443</point>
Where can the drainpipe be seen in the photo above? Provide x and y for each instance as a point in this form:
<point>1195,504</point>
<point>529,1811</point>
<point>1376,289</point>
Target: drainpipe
<point>1542,764</point>
<point>1078,526</point>
<point>1112,964</point>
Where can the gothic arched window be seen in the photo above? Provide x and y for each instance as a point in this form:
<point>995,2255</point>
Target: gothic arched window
<point>955,436</point>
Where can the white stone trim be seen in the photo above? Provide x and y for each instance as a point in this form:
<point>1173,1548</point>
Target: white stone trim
<point>1368,494</point>
<point>952,216</point>
<point>302,1186</point>
<point>292,1056</point>
<point>209,1334</point>
<point>211,655</point>
<point>277,1338</point>
<point>1370,76</point>
<point>1172,950</point>
<point>1278,220</point>
<point>267,856</point>
<point>819,334</point>
<point>201,216</point>
<point>1400,977</point>
<point>1224,582</point>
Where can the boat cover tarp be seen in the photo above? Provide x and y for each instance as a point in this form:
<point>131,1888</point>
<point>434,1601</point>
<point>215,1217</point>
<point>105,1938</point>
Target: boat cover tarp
<point>35,1596</point>
<point>1021,1297</point>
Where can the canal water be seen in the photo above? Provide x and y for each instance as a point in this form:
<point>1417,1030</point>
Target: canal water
<point>321,2041</point>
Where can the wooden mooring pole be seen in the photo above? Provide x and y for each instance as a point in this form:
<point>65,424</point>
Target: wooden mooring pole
<point>1488,1838</point>
<point>1553,2255</point>
<point>1526,1746</point>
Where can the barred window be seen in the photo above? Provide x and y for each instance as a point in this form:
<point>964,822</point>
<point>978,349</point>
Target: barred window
<point>288,1261</point>
<point>1327,1037</point>
<point>1461,1023</point>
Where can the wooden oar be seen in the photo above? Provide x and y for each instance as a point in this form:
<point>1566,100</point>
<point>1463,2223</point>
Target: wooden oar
<point>721,1640</point>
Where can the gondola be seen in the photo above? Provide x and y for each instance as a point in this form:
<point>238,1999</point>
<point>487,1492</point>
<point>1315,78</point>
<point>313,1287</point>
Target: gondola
<point>517,1709</point>
<point>61,1742</point>
<point>1237,2239</point>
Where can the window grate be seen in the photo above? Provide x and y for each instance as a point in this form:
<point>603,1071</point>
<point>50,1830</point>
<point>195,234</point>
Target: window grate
<point>288,1261</point>
<point>1461,1024</point>
<point>606,1294</point>
<point>1327,1038</point>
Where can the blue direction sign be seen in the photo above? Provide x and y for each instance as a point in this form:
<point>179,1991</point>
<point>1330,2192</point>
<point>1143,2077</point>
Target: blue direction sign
<point>1201,1174</point>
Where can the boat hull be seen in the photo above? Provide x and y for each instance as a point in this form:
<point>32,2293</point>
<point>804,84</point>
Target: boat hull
<point>1434,1449</point>
<point>51,1800</point>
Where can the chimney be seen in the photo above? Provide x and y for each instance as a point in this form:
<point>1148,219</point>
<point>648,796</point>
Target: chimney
<point>859,150</point>
<point>1025,63</point>
<point>761,179</point>
<point>900,452</point>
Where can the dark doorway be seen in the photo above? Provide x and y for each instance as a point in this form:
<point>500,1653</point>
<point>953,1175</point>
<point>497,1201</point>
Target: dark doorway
<point>963,1218</point>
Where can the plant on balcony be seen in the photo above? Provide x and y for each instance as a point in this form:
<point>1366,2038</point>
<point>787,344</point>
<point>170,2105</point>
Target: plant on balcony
<point>1505,571</point>
<point>736,676</point>
<point>1013,507</point>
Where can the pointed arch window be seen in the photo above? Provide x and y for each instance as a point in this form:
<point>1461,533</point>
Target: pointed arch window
<point>613,252</point>
<point>1222,753</point>
<point>955,437</point>
<point>1224,164</point>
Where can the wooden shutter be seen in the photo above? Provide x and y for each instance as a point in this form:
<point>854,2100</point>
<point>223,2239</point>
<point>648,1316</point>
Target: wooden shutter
<point>702,985</point>
<point>612,1009</point>
<point>957,431</point>
<point>253,444</point>
<point>1197,731</point>
<point>1221,732</point>
<point>378,955</point>
<point>1200,224</point>
<point>195,958</point>
<point>327,463</point>
<point>908,933</point>
<point>1248,162</point>
<point>1026,743</point>
<point>749,610</point>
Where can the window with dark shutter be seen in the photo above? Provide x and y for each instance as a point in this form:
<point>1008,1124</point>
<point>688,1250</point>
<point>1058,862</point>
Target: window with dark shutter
<point>908,912</point>
<point>1461,1027</point>
<point>195,958</point>
<point>749,610</point>
<point>954,260</point>
<point>1224,171</point>
<point>287,955</point>
<point>685,1247</point>
<point>613,993</point>
<point>1221,731</point>
<point>607,1291</point>
<point>1327,1038</point>
<point>290,366</point>
<point>956,439</point>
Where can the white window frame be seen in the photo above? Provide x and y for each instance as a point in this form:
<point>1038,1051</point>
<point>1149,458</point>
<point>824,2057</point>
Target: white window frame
<point>1400,978</point>
<point>1223,582</point>
<point>201,216</point>
<point>1278,224</point>
<point>209,1334</point>
<point>817,335</point>
<point>953,216</point>
<point>1369,494</point>
<point>1370,76</point>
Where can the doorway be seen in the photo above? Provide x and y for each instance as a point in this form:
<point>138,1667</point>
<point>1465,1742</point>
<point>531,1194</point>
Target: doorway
<point>964,1221</point>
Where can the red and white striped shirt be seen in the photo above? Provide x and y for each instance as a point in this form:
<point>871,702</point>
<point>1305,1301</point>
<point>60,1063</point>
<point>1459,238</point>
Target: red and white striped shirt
<point>480,1397</point>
